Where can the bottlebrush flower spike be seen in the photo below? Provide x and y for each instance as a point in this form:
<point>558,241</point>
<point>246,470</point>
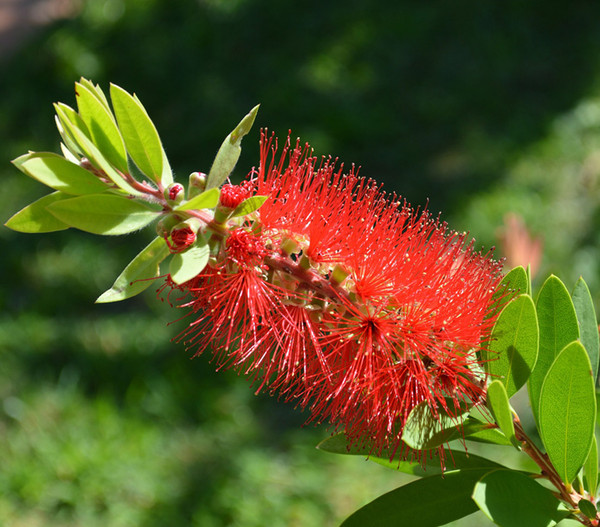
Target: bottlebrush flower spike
<point>343,298</point>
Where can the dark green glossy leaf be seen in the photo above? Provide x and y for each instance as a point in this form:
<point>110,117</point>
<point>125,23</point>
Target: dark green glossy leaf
<point>558,327</point>
<point>103,213</point>
<point>512,499</point>
<point>588,324</point>
<point>230,150</point>
<point>249,205</point>
<point>567,411</point>
<point>588,508</point>
<point>425,430</point>
<point>140,136</point>
<point>185,266</point>
<point>58,173</point>
<point>137,276</point>
<point>497,400</point>
<point>36,217</point>
<point>514,344</point>
<point>207,200</point>
<point>590,468</point>
<point>432,464</point>
<point>427,502</point>
<point>102,127</point>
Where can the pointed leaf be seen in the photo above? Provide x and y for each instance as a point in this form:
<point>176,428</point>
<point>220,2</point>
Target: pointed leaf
<point>497,400</point>
<point>95,90</point>
<point>590,469</point>
<point>207,200</point>
<point>102,127</point>
<point>58,173</point>
<point>511,499</point>
<point>140,135</point>
<point>230,150</point>
<point>185,266</point>
<point>36,218</point>
<point>249,205</point>
<point>558,326</point>
<point>514,344</point>
<point>136,277</point>
<point>66,120</point>
<point>567,411</point>
<point>103,214</point>
<point>427,502</point>
<point>588,324</point>
<point>454,459</point>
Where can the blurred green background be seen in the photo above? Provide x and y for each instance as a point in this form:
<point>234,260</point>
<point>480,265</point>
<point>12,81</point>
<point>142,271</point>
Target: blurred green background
<point>479,107</point>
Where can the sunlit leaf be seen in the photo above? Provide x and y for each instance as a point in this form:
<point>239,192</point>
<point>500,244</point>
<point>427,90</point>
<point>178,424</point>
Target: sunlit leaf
<point>249,205</point>
<point>137,276</point>
<point>514,344</point>
<point>186,265</point>
<point>588,324</point>
<point>558,327</point>
<point>207,200</point>
<point>103,213</point>
<point>58,173</point>
<point>590,468</point>
<point>567,411</point>
<point>512,499</point>
<point>140,136</point>
<point>497,400</point>
<point>36,217</point>
<point>230,150</point>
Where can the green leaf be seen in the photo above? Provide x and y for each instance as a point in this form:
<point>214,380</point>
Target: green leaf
<point>102,126</point>
<point>35,218</point>
<point>567,411</point>
<point>207,200</point>
<point>497,400</point>
<point>140,136</point>
<point>66,120</point>
<point>590,468</point>
<point>588,508</point>
<point>103,214</point>
<point>514,344</point>
<point>588,324</point>
<point>95,90</point>
<point>424,430</point>
<point>511,499</point>
<point>249,205</point>
<point>427,502</point>
<point>186,265</point>
<point>137,276</point>
<point>454,459</point>
<point>230,150</point>
<point>558,326</point>
<point>58,173</point>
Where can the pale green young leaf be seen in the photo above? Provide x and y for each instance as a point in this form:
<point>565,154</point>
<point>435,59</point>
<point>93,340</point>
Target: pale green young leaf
<point>497,402</point>
<point>229,152</point>
<point>66,119</point>
<point>58,173</point>
<point>138,275</point>
<point>588,324</point>
<point>513,348</point>
<point>567,411</point>
<point>140,136</point>
<point>96,91</point>
<point>103,213</point>
<point>512,499</point>
<point>35,218</point>
<point>102,127</point>
<point>426,502</point>
<point>186,265</point>
<point>558,326</point>
<point>248,206</point>
<point>69,155</point>
<point>207,200</point>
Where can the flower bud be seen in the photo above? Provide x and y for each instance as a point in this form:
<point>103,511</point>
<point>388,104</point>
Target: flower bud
<point>166,223</point>
<point>183,235</point>
<point>197,184</point>
<point>174,193</point>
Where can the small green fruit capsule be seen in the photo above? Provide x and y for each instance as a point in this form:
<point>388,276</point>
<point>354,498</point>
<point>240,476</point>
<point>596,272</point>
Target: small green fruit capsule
<point>197,184</point>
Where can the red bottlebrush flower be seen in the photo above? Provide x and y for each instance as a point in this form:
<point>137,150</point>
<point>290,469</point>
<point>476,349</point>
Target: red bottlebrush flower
<point>343,298</point>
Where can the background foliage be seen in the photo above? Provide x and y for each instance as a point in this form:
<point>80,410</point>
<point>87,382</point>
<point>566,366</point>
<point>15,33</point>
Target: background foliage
<point>480,108</point>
